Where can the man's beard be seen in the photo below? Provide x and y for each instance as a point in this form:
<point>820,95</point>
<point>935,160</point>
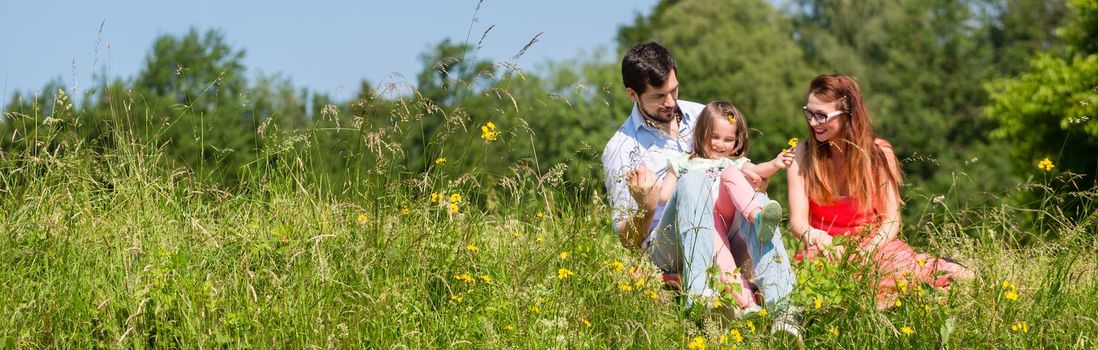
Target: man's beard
<point>657,118</point>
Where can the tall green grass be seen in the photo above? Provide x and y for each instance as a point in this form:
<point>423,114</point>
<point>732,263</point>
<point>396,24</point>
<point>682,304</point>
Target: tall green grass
<point>121,248</point>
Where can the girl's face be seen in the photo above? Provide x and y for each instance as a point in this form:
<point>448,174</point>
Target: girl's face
<point>723,140</point>
<point>830,128</point>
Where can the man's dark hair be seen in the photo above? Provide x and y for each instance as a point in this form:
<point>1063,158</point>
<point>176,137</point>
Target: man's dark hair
<point>645,64</point>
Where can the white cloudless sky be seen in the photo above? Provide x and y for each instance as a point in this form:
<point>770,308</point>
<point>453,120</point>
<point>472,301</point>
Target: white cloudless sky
<point>326,46</point>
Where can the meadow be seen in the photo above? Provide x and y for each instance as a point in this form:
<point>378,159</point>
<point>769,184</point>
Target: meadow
<point>115,246</point>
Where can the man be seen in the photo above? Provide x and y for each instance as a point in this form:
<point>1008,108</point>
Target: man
<point>635,160</point>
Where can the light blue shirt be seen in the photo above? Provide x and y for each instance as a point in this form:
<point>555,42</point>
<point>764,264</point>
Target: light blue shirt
<point>637,143</point>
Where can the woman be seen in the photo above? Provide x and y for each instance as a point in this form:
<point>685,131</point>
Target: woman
<point>846,182</point>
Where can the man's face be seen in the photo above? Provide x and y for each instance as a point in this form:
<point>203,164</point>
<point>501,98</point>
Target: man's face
<point>658,103</point>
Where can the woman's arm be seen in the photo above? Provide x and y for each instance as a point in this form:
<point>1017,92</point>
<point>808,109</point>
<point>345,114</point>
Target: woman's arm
<point>888,205</point>
<point>798,213</point>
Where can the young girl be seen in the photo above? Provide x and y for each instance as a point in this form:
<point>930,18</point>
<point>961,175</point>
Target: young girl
<point>720,143</point>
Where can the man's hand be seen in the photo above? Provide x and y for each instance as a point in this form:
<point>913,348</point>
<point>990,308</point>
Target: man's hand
<point>643,187</point>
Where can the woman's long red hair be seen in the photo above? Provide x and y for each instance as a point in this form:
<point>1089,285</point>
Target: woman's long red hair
<point>867,169</point>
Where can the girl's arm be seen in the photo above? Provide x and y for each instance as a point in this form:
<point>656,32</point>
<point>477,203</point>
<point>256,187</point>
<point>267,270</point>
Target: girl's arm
<point>768,169</point>
<point>668,186</point>
<point>888,206</point>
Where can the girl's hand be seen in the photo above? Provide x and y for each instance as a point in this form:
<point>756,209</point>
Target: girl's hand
<point>786,158</point>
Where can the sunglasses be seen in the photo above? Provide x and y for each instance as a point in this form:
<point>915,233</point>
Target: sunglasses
<point>819,118</point>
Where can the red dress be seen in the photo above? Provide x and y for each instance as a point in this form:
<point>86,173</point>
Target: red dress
<point>898,266</point>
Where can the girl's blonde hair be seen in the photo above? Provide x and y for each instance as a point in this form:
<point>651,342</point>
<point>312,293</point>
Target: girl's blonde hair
<point>867,169</point>
<point>703,129</point>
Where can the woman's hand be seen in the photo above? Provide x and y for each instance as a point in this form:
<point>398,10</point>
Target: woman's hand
<point>825,244</point>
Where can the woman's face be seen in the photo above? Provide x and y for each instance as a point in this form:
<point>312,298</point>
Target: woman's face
<point>830,128</point>
<point>723,140</point>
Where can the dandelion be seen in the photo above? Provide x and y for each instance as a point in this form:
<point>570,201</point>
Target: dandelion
<point>487,279</point>
<point>921,262</point>
<point>907,330</point>
<point>455,198</point>
<point>362,218</point>
<point>698,343</point>
<point>585,322</point>
<point>405,211</point>
<point>509,328</point>
<point>563,255</point>
<point>1045,164</point>
<point>539,239</point>
<point>1020,327</point>
<point>818,302</point>
<point>539,215</point>
<point>833,331</point>
<point>793,142</point>
<point>762,313</point>
<point>751,326</point>
<point>435,197</point>
<point>456,298</point>
<point>488,132</point>
<point>472,247</point>
<point>640,282</point>
<point>564,273</point>
<point>652,294</point>
<point>902,284</point>
<point>440,160</point>
<point>453,207</point>
<point>617,266</point>
<point>899,303</point>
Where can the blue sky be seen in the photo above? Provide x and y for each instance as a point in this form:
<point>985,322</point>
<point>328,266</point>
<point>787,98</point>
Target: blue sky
<point>326,46</point>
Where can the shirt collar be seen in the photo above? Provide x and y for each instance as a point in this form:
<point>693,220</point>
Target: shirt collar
<point>637,119</point>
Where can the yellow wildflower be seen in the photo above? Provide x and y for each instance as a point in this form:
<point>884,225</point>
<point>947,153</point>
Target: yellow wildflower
<point>735,334</point>
<point>535,309</point>
<point>698,343</point>
<point>472,247</point>
<point>921,261</point>
<point>818,302</point>
<point>455,198</point>
<point>902,284</point>
<point>488,132</point>
<point>1045,164</point>
<point>751,326</point>
<point>456,298</point>
<point>586,322</point>
<point>624,286</point>
<point>453,207</point>
<point>732,120</point>
<point>464,277</point>
<point>1010,291</point>
<point>907,330</point>
<point>617,266</point>
<point>362,218</point>
<point>833,331</point>
<point>640,282</point>
<point>564,273</point>
<point>435,197</point>
<point>563,255</point>
<point>1020,327</point>
<point>440,160</point>
<point>539,239</point>
<point>652,294</point>
<point>405,211</point>
<point>509,328</point>
<point>899,303</point>
<point>762,313</point>
<point>1011,295</point>
<point>539,215</point>
<point>487,279</point>
<point>793,142</point>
